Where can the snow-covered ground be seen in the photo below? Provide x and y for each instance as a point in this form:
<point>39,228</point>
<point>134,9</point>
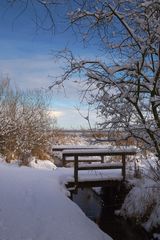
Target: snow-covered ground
<point>33,206</point>
<point>34,203</point>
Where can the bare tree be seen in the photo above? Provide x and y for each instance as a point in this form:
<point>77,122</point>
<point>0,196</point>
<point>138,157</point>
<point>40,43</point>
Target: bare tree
<point>125,80</point>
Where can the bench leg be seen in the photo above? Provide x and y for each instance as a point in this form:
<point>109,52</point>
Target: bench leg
<point>102,159</point>
<point>76,170</point>
<point>63,161</point>
<point>123,167</point>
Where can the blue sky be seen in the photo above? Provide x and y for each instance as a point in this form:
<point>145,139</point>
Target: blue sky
<point>27,59</point>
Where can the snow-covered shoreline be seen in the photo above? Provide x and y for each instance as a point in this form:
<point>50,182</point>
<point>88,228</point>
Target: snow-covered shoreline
<point>32,206</point>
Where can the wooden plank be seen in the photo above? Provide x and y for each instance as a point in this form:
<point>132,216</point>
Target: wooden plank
<point>102,167</point>
<point>83,160</point>
<point>96,152</point>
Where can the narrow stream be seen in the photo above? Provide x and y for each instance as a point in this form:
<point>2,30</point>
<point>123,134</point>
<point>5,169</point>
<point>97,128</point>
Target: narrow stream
<point>100,208</point>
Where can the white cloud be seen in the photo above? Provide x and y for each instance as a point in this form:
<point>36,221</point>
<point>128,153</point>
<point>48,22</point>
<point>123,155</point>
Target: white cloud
<point>33,73</point>
<point>56,114</point>
<point>70,118</point>
<point>29,72</point>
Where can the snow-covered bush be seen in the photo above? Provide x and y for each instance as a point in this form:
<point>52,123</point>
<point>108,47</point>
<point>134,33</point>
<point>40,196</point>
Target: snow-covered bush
<point>143,204</point>
<point>25,124</point>
<point>154,219</point>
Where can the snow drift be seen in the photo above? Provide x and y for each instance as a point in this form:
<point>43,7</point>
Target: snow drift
<point>33,207</point>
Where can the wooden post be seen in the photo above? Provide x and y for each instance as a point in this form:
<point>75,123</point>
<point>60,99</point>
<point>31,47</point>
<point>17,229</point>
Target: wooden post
<point>123,167</point>
<point>76,170</point>
<point>63,160</point>
<point>102,159</point>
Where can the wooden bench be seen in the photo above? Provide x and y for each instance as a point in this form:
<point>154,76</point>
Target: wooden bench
<point>66,160</point>
<point>76,153</point>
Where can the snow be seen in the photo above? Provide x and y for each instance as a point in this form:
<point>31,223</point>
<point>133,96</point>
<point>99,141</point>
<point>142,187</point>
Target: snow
<point>154,219</point>
<point>143,203</point>
<point>32,206</point>
<point>67,175</point>
<point>34,203</point>
<point>62,147</point>
<point>97,150</point>
<point>109,165</point>
<point>42,164</point>
<point>156,236</point>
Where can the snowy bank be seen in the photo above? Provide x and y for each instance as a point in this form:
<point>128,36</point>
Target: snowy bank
<point>33,207</point>
<point>42,164</point>
<point>143,204</point>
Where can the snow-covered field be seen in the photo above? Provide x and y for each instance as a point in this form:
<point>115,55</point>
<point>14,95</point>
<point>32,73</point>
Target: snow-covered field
<point>34,207</point>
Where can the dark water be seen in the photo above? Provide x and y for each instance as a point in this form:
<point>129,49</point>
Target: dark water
<point>100,208</point>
